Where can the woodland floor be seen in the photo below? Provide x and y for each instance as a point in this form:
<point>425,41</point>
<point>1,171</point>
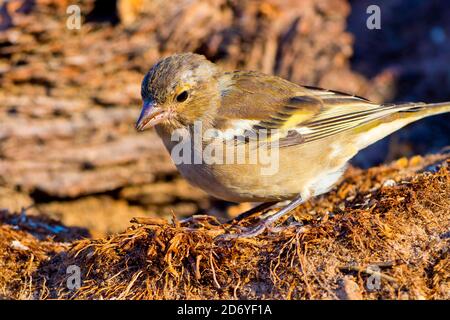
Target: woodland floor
<point>382,233</point>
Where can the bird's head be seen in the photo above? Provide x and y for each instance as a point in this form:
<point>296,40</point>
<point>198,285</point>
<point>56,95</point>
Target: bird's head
<point>179,90</point>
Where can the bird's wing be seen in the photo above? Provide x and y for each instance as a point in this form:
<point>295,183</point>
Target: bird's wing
<point>299,114</point>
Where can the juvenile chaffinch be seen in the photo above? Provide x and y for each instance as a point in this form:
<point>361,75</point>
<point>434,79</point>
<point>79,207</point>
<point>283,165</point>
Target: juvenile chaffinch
<point>311,133</point>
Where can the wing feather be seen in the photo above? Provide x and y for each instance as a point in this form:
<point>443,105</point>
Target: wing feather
<point>299,114</point>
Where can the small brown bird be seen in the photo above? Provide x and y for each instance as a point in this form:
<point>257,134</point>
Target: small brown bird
<point>206,117</point>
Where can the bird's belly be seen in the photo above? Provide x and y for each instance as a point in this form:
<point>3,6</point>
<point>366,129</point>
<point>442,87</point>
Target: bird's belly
<point>238,184</point>
<point>246,184</point>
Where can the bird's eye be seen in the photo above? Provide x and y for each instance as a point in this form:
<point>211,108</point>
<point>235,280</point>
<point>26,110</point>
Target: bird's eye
<point>182,96</point>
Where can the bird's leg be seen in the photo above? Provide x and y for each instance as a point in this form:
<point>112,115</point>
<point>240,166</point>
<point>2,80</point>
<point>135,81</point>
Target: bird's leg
<point>263,224</point>
<point>252,211</point>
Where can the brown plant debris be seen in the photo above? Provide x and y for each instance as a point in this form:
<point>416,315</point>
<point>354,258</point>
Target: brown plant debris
<point>381,233</point>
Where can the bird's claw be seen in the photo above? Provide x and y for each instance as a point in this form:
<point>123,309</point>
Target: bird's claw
<point>259,229</point>
<point>246,233</point>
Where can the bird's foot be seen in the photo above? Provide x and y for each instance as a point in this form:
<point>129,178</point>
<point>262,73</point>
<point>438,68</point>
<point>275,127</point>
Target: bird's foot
<point>296,225</point>
<point>264,224</point>
<point>249,232</point>
<point>259,208</point>
<point>258,229</point>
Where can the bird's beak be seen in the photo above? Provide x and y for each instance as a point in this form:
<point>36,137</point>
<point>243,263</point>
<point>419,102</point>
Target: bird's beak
<point>151,114</point>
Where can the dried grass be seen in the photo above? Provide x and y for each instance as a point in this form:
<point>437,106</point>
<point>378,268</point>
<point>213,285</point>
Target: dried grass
<point>390,222</point>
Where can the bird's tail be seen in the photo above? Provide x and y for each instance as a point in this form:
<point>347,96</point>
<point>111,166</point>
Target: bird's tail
<point>400,116</point>
<point>422,110</point>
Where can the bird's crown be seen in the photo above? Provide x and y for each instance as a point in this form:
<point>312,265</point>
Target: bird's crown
<point>172,73</point>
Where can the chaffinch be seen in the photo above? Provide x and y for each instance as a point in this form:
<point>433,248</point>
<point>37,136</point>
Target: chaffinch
<point>309,133</point>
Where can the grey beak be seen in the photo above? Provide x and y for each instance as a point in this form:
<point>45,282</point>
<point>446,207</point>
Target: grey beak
<point>151,114</point>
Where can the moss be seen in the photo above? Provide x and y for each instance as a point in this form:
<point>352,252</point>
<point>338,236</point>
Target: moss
<point>382,233</point>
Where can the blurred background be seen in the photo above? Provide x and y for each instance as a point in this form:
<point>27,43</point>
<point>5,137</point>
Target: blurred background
<point>69,96</point>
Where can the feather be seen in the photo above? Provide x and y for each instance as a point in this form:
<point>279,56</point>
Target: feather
<point>298,114</point>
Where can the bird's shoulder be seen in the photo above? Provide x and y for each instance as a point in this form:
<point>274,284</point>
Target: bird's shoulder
<point>260,98</point>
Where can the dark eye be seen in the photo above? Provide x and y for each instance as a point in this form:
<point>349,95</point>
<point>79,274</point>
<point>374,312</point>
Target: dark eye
<point>182,96</point>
